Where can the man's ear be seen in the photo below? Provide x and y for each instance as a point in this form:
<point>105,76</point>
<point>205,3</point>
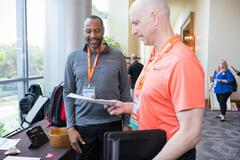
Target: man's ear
<point>154,18</point>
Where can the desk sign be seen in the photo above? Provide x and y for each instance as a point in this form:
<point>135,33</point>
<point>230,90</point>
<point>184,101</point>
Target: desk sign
<point>37,137</point>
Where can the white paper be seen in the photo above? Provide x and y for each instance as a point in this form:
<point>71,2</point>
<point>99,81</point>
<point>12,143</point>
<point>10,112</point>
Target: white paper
<point>21,158</point>
<point>6,143</point>
<point>98,101</point>
<point>34,110</point>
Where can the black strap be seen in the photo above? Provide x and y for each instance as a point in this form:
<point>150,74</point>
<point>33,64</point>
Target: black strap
<point>24,121</point>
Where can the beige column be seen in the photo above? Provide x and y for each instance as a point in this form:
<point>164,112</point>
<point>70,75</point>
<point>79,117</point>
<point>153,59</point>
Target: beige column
<point>63,34</point>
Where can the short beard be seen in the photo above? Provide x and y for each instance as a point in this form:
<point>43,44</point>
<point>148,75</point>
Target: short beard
<point>95,46</point>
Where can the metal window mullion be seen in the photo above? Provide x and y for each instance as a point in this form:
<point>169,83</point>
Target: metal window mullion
<point>20,79</point>
<point>20,46</point>
<point>25,46</point>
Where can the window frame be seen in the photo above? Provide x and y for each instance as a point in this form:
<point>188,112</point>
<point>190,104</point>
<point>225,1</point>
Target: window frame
<point>23,78</point>
<point>22,49</point>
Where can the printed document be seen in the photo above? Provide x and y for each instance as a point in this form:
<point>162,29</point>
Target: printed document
<point>98,101</point>
<point>21,158</point>
<point>6,143</point>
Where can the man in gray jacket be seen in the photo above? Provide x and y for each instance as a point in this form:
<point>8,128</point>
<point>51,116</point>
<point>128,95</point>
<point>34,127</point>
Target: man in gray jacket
<point>96,71</point>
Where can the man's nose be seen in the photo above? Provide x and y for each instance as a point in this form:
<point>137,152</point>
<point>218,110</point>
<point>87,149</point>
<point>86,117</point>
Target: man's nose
<point>134,31</point>
<point>92,35</point>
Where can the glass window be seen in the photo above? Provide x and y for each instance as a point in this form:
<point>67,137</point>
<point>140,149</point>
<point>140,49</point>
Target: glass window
<point>35,34</point>
<point>19,61</point>
<point>9,112</point>
<point>8,56</point>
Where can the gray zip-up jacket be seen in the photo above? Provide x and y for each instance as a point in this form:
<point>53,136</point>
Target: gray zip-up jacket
<point>110,80</point>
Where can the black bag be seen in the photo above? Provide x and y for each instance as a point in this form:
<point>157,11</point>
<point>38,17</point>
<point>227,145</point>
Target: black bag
<point>29,100</point>
<point>139,145</point>
<point>35,89</point>
<point>56,112</point>
<point>234,85</point>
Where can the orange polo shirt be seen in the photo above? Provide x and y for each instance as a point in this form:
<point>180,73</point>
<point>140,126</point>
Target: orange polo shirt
<point>174,83</point>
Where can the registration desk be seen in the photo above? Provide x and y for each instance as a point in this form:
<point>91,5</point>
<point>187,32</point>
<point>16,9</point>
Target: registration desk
<point>24,143</point>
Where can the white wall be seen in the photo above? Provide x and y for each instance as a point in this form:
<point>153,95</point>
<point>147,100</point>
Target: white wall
<point>201,29</point>
<point>119,22</point>
<point>180,10</point>
<point>224,33</point>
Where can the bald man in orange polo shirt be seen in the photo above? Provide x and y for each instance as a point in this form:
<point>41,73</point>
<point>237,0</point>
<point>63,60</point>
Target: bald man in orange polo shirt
<point>169,93</point>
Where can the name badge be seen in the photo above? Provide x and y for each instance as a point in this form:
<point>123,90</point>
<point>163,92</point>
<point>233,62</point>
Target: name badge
<point>133,122</point>
<point>215,83</point>
<point>89,91</point>
<point>133,118</point>
<point>136,104</point>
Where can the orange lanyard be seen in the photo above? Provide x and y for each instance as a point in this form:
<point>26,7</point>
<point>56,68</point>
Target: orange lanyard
<point>153,59</point>
<point>92,69</point>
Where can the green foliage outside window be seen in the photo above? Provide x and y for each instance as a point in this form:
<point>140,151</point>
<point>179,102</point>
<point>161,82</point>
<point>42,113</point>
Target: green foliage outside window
<point>2,57</point>
<point>2,131</point>
<point>8,61</point>
<point>9,66</point>
<point>36,61</point>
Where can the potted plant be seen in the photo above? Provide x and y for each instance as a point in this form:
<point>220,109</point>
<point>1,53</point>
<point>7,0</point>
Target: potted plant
<point>111,42</point>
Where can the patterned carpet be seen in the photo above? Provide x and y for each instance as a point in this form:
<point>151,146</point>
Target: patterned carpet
<point>220,140</point>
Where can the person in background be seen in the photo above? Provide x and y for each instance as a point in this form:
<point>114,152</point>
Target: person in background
<point>169,93</point>
<point>222,83</point>
<point>96,71</point>
<point>134,71</point>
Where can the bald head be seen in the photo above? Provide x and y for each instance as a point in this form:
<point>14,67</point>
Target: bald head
<point>143,6</point>
<point>150,21</point>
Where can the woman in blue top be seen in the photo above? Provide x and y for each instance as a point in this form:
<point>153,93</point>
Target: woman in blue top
<point>222,82</point>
